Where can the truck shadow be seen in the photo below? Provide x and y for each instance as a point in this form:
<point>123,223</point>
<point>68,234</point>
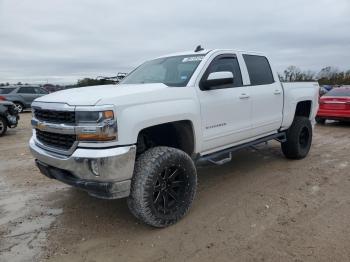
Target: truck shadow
<point>82,212</point>
<point>339,124</point>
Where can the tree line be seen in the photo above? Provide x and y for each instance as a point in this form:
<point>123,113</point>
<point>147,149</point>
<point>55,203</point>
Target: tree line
<point>326,76</point>
<point>93,82</point>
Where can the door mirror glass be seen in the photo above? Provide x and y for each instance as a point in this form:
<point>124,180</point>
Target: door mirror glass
<point>218,79</point>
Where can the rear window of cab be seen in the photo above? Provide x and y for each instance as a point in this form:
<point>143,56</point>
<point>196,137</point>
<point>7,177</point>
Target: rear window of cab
<point>339,92</point>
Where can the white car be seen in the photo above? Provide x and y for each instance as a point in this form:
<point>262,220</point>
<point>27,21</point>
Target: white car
<point>143,138</point>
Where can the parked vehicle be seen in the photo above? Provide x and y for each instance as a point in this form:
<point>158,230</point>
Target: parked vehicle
<point>144,138</point>
<point>335,105</point>
<point>323,91</point>
<point>8,116</point>
<point>21,96</point>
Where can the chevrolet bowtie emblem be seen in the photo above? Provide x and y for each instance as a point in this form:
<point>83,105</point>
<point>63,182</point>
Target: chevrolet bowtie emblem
<point>41,126</point>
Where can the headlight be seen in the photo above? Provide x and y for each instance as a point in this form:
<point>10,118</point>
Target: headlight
<point>94,116</point>
<point>96,126</point>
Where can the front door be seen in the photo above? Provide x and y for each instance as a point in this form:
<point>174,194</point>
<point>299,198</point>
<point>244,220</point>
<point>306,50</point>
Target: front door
<point>225,110</point>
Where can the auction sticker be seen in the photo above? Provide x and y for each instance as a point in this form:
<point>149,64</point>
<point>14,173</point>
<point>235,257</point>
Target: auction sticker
<point>192,59</point>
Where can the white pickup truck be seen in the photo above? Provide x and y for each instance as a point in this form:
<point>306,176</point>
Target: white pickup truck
<point>143,138</point>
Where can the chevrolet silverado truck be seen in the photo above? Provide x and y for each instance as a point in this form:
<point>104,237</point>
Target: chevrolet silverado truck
<point>143,139</point>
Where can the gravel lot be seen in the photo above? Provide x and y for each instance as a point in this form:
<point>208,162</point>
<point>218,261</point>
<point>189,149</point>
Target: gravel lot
<point>259,207</point>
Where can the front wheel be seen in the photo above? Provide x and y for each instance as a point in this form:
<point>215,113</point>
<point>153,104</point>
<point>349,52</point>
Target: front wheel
<point>19,107</point>
<point>3,126</point>
<point>163,186</point>
<point>299,138</point>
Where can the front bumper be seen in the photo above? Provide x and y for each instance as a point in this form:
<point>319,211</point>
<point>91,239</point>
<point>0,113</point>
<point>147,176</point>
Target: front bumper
<point>114,167</point>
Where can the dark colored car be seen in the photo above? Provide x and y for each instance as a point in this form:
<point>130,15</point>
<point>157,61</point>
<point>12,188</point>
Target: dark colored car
<point>8,116</point>
<point>21,96</point>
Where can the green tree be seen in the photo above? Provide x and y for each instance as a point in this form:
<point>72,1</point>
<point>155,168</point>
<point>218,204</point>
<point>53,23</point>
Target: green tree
<point>93,82</point>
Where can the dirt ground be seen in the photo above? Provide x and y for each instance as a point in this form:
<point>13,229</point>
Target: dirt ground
<point>259,207</point>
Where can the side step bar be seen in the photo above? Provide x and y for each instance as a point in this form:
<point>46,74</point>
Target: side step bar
<point>211,158</point>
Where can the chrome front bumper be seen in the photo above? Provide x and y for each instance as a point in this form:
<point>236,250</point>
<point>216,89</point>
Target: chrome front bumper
<point>114,166</point>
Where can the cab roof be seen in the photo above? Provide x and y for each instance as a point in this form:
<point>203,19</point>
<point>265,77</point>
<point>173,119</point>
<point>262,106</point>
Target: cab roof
<point>206,51</point>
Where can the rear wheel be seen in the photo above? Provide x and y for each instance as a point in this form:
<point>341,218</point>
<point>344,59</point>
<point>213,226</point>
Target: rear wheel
<point>320,120</point>
<point>19,106</point>
<point>163,186</point>
<point>299,138</point>
<point>3,126</point>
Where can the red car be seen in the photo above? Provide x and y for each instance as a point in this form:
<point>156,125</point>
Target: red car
<point>334,105</point>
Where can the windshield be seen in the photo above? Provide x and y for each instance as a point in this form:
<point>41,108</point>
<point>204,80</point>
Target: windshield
<point>339,92</point>
<point>171,71</point>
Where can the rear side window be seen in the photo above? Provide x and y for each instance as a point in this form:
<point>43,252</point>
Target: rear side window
<point>6,90</point>
<point>27,90</point>
<point>39,90</point>
<point>259,70</point>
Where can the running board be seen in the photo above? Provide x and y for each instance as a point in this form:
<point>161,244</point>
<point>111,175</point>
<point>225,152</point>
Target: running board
<point>211,158</point>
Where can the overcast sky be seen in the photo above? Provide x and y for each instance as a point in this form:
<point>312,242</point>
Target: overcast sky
<point>62,40</point>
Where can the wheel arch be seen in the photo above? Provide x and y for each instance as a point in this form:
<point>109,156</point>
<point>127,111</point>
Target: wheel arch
<point>178,134</point>
<point>303,107</point>
<point>19,102</point>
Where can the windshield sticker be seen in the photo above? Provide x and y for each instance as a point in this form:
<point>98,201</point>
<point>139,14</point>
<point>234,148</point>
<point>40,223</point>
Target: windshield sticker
<point>183,77</point>
<point>192,59</point>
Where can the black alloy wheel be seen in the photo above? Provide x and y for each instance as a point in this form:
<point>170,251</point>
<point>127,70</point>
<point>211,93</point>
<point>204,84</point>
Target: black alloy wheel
<point>163,186</point>
<point>169,190</point>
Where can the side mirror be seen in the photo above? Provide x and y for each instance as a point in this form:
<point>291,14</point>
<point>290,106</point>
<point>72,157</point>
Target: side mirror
<point>218,79</point>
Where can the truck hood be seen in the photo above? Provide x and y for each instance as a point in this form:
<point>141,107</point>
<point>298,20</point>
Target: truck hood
<point>105,94</point>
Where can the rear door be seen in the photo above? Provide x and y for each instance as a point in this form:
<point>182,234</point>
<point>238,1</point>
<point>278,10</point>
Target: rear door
<point>266,96</point>
<point>225,110</point>
<point>29,93</point>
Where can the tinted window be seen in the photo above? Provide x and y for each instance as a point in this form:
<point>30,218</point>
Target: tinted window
<point>338,92</point>
<point>259,70</point>
<point>27,90</point>
<point>6,90</point>
<point>39,90</point>
<point>226,63</point>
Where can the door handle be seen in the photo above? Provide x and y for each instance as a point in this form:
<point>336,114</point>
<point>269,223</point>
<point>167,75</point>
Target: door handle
<point>244,96</point>
<point>277,92</point>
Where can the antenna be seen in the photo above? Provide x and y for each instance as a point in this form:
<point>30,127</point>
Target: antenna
<point>198,49</point>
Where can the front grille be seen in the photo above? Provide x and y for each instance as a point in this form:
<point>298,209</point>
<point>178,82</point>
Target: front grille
<point>61,117</point>
<point>60,141</point>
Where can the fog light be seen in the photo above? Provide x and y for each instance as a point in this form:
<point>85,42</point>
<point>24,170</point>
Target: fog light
<point>94,167</point>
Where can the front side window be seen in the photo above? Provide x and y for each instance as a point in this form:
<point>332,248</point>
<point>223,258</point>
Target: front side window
<point>259,70</point>
<point>225,63</point>
<point>26,90</point>
<point>171,71</point>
